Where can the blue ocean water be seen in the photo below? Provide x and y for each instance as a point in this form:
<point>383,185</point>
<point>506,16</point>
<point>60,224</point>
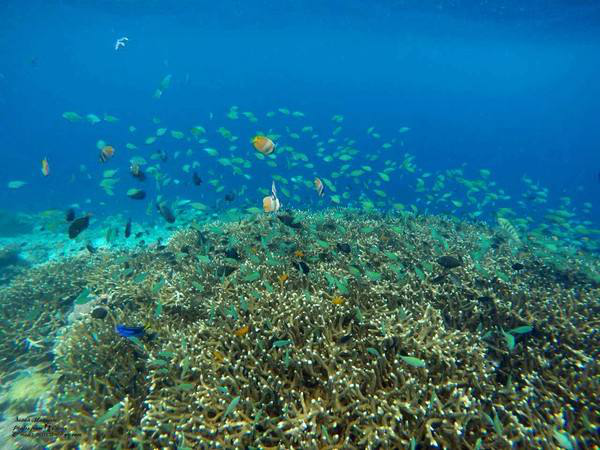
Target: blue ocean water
<point>325,324</point>
<point>503,86</point>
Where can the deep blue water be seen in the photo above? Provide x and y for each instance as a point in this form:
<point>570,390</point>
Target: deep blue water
<point>506,87</point>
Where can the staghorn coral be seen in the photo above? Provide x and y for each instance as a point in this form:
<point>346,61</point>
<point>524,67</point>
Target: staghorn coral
<point>309,372</point>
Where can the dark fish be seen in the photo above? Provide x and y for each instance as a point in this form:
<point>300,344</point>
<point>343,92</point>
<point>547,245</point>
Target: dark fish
<point>78,225</point>
<point>128,229</point>
<point>301,265</point>
<point>289,220</point>
<point>99,313</point>
<point>196,179</point>
<point>139,234</point>
<point>91,248</point>
<point>229,197</point>
<point>517,266</point>
<point>225,271</point>
<point>166,212</point>
<point>344,247</point>
<point>70,215</point>
<point>136,172</point>
<point>160,154</point>
<point>137,194</point>
<point>449,262</point>
<point>126,331</point>
<point>232,253</point>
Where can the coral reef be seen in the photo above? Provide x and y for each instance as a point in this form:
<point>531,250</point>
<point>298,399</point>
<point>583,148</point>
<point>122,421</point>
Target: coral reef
<point>350,330</point>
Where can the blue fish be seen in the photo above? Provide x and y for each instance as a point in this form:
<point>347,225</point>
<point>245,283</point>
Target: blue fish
<point>127,332</point>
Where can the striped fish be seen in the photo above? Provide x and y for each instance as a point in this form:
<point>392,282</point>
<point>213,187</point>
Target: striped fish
<point>271,203</point>
<point>320,187</point>
<point>106,153</point>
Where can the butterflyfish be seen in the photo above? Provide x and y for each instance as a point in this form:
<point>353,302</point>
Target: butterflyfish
<point>263,144</point>
<point>106,153</point>
<point>271,202</point>
<point>319,187</point>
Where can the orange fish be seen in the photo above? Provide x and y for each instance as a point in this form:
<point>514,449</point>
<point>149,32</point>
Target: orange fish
<point>299,254</point>
<point>242,331</point>
<point>319,187</point>
<point>271,202</point>
<point>45,167</point>
<point>282,278</point>
<point>337,300</point>
<point>263,144</point>
<point>106,153</point>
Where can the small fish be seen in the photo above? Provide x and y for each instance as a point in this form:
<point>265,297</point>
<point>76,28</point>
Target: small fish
<point>229,197</point>
<point>319,187</point>
<point>121,42</point>
<point>70,215</point>
<point>136,172</point>
<point>282,279</point>
<point>128,228</point>
<point>263,144</point>
<point>106,153</point>
<point>45,167</point>
<point>271,203</point>
<point>337,300</point>
<point>196,179</point>
<point>242,331</point>
<point>78,225</point>
<point>166,212</point>
<point>136,194</point>
<point>16,184</point>
<point>160,154</point>
<point>90,248</point>
<point>125,331</point>
<point>301,265</point>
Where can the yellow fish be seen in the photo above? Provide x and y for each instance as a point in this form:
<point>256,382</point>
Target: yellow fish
<point>263,144</point>
<point>242,331</point>
<point>106,153</point>
<point>45,167</point>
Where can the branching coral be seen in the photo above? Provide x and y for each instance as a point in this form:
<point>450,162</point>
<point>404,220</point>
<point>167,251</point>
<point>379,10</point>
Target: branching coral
<point>371,342</point>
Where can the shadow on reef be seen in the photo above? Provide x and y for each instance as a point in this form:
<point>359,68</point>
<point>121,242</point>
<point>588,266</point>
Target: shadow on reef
<point>11,263</point>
